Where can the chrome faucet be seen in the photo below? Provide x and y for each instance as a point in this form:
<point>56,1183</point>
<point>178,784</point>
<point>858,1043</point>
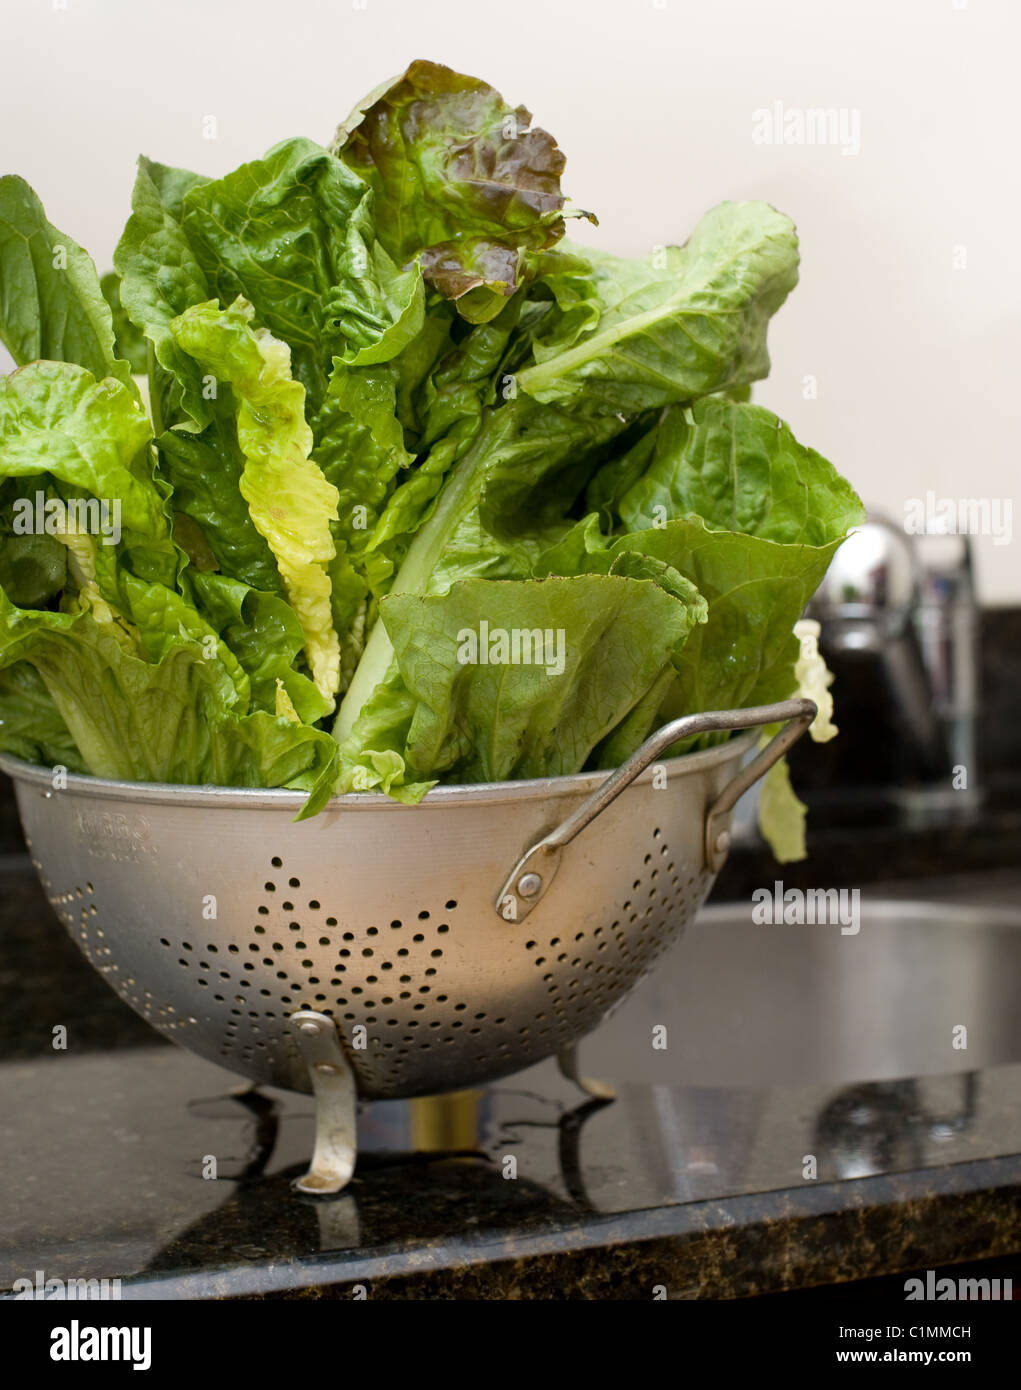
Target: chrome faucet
<point>909,602</point>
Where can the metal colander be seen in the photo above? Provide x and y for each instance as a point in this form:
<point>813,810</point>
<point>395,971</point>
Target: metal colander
<point>383,950</point>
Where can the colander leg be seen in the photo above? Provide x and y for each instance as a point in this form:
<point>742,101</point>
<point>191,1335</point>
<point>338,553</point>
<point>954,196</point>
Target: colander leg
<point>333,1082</point>
<point>567,1061</point>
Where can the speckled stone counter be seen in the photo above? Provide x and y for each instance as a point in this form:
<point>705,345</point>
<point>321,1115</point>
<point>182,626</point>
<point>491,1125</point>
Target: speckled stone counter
<point>700,1191</point>
<point>524,1190</point>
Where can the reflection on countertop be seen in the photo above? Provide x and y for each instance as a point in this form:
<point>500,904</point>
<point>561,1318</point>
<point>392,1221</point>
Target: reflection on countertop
<point>701,1190</point>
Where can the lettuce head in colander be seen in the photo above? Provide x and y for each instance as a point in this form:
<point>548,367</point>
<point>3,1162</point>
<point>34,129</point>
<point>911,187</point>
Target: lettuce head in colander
<point>388,405</point>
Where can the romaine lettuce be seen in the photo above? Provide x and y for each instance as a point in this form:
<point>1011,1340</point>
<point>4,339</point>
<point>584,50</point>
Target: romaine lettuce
<point>392,413</point>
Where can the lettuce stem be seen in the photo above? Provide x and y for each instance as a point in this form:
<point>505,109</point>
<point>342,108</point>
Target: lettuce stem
<point>460,493</point>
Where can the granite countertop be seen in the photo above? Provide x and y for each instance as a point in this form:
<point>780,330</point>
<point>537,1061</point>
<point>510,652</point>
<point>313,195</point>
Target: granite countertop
<point>697,1190</point>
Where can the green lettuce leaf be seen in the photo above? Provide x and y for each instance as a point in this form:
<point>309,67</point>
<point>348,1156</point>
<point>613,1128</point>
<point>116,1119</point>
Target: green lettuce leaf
<point>171,720</point>
<point>682,323</point>
<point>275,232</point>
<point>51,302</point>
<point>594,646</point>
<point>30,724</point>
<point>33,569</point>
<point>781,812</point>
<point>756,590</point>
<point>567,289</point>
<point>360,448</point>
<point>163,618</point>
<point>740,468</point>
<point>262,631</point>
<point>289,500</point>
<point>771,514</point>
<point>57,419</point>
<point>483,522</point>
<point>373,758</point>
<point>450,405</point>
<point>159,278</point>
<point>129,341</point>
<point>295,235</point>
<point>378,308</point>
<point>205,471</point>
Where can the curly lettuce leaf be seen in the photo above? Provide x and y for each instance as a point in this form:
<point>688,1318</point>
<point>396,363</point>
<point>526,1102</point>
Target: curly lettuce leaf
<point>172,720</point>
<point>275,232</point>
<point>814,678</point>
<point>781,813</point>
<point>460,181</point>
<point>262,631</point>
<point>289,500</point>
<point>57,419</point>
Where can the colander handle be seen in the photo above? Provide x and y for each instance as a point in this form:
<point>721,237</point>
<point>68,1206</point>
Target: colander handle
<point>534,871</point>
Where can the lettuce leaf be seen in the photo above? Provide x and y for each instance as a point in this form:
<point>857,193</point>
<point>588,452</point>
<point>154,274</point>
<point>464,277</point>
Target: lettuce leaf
<point>593,646</point>
<point>739,468</point>
<point>482,524</point>
<point>781,814</point>
<point>129,342</point>
<point>164,721</point>
<point>460,181</point>
<point>33,569</point>
<point>379,308</point>
<point>728,497</point>
<point>274,232</point>
<point>56,418</point>
<point>682,323</point>
<point>289,500</point>
<point>756,590</point>
<point>264,634</point>
<point>451,404</point>
<point>52,306</point>
<point>159,278</point>
<point>204,470</point>
<point>30,724</point>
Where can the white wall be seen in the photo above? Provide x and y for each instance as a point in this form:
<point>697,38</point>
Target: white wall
<point>915,361</point>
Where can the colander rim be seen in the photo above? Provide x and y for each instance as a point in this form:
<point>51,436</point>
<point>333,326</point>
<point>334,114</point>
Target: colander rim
<point>283,799</point>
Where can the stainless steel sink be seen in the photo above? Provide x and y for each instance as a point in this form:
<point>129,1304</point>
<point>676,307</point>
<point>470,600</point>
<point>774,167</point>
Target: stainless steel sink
<point>759,1005</point>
